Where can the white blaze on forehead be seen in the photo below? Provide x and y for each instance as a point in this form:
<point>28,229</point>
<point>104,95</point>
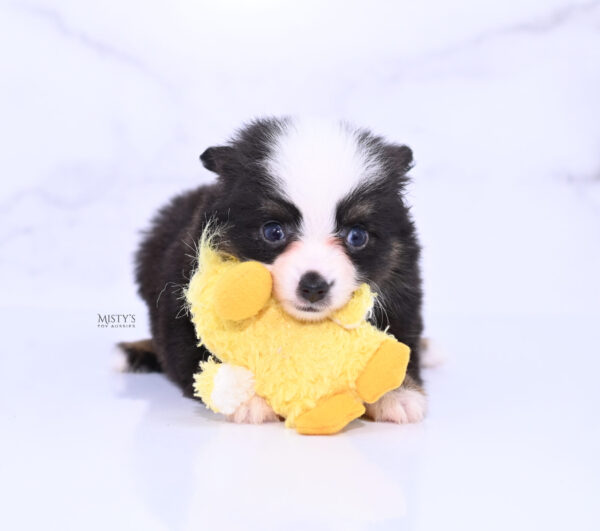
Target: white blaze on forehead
<point>317,164</point>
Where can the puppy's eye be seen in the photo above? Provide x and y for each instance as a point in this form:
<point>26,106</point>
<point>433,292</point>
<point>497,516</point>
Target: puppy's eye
<point>273,232</point>
<point>357,237</point>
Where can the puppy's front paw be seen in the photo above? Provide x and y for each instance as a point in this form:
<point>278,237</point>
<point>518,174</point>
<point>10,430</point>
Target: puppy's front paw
<point>256,410</point>
<point>402,405</point>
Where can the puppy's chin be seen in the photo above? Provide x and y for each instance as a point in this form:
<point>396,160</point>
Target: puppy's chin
<point>306,313</point>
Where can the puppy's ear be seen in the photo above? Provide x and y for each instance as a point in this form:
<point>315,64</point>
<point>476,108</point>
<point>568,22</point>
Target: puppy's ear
<point>218,158</point>
<point>400,158</point>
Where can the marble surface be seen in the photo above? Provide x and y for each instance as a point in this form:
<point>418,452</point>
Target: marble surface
<point>104,110</point>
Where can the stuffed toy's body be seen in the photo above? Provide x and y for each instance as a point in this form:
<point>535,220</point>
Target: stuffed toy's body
<point>314,374</point>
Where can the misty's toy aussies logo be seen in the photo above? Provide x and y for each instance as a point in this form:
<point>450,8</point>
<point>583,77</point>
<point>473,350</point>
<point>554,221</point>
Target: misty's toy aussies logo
<point>116,320</point>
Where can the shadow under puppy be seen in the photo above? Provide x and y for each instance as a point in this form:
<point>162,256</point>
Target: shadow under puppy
<point>322,205</point>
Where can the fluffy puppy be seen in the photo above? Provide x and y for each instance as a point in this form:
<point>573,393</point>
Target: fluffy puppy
<point>322,206</point>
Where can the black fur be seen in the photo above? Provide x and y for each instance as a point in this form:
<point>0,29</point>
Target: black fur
<point>141,356</point>
<point>243,198</point>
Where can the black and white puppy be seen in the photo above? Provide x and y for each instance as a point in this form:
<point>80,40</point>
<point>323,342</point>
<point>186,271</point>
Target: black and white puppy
<point>322,205</point>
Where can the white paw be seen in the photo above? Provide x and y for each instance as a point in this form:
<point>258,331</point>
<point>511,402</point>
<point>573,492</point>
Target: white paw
<point>253,411</point>
<point>401,405</point>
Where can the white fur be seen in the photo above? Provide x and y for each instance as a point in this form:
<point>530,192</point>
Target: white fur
<point>256,410</point>
<point>119,361</point>
<point>432,355</point>
<point>232,386</point>
<point>316,164</point>
<point>402,405</point>
<point>328,259</point>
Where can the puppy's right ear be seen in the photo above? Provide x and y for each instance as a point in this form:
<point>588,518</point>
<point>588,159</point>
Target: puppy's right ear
<point>218,158</point>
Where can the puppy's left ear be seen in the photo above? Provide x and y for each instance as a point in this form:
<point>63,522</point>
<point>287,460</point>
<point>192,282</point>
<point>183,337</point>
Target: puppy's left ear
<point>218,158</point>
<point>399,157</point>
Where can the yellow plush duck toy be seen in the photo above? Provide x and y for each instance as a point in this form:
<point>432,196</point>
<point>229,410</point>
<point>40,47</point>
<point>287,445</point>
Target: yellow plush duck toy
<point>316,375</point>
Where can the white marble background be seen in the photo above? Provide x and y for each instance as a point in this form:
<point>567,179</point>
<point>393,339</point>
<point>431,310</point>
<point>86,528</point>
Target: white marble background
<point>105,107</point>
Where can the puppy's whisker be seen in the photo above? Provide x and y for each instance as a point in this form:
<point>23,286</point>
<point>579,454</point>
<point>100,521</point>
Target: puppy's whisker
<point>380,301</point>
<point>163,290</point>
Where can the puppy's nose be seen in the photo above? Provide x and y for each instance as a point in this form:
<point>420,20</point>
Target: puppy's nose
<point>312,287</point>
